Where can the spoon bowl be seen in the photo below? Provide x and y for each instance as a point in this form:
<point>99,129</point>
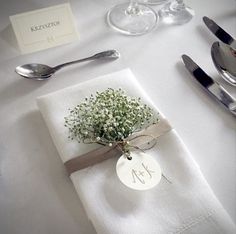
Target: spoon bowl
<point>35,71</point>
<point>38,71</point>
<point>224,59</point>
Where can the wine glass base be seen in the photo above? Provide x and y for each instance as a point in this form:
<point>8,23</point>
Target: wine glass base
<point>171,15</point>
<point>132,21</point>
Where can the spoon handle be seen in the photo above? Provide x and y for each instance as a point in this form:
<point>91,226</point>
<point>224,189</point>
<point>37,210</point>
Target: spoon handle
<point>108,54</point>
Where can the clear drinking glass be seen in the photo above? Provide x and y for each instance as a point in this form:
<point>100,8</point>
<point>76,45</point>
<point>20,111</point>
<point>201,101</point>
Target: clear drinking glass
<point>132,18</point>
<point>176,12</point>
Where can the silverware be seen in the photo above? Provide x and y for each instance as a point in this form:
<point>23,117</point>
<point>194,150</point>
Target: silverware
<point>37,71</point>
<point>220,33</point>
<point>212,87</point>
<point>224,59</point>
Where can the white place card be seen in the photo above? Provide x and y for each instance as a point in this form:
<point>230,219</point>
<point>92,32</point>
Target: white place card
<point>44,28</point>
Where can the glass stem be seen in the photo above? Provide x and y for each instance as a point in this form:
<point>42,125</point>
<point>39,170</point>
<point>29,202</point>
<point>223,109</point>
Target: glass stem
<point>177,5</point>
<point>133,8</point>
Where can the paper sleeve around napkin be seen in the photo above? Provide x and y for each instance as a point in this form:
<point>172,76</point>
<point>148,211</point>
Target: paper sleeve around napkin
<point>186,205</point>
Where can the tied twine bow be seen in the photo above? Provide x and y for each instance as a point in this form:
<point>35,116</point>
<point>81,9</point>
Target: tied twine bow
<point>126,145</point>
<point>139,140</point>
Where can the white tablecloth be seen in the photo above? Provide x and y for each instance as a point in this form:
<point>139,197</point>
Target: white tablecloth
<point>36,196</point>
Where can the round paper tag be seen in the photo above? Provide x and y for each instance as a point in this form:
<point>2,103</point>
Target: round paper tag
<point>141,173</point>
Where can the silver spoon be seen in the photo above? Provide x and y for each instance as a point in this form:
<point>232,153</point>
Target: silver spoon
<point>224,59</point>
<point>37,71</point>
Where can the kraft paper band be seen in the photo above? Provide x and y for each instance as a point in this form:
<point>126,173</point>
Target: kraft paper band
<point>105,152</point>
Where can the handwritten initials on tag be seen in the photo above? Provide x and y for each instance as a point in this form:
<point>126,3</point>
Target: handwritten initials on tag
<point>140,176</point>
<point>141,173</point>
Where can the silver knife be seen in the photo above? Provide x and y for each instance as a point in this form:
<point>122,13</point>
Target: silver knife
<point>220,32</point>
<point>212,87</point>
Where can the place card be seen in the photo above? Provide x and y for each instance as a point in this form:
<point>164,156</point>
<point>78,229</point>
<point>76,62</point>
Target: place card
<point>44,28</point>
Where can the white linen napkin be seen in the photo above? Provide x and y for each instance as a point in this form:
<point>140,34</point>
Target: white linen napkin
<point>186,205</point>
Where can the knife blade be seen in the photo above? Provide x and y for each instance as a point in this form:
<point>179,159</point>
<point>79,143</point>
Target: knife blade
<point>211,86</point>
<point>220,32</point>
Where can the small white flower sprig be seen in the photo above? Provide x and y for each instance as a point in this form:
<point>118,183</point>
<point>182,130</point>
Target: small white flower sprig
<point>109,118</point>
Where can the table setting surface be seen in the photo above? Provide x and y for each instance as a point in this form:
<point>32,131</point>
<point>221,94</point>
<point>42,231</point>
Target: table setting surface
<point>36,194</point>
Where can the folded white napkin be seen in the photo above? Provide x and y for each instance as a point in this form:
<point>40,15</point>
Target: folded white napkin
<point>187,205</point>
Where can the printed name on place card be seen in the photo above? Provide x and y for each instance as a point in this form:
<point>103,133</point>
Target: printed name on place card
<point>44,28</point>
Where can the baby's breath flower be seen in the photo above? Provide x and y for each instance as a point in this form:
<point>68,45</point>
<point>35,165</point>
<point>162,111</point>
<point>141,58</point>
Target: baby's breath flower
<point>108,117</point>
